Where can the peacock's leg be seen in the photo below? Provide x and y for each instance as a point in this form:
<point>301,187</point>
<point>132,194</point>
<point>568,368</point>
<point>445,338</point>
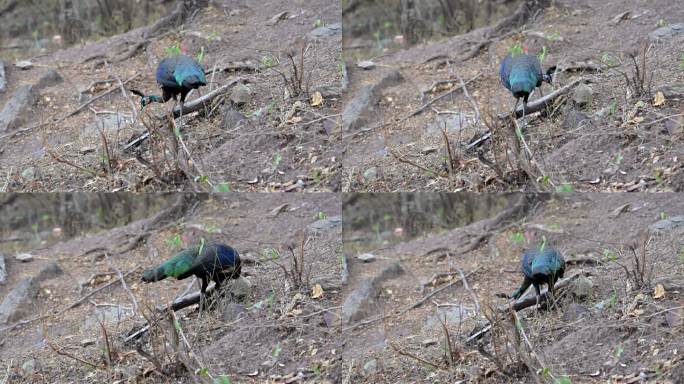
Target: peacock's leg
<point>536,288</point>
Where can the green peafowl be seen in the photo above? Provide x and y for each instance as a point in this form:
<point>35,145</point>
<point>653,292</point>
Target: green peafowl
<point>216,262</point>
<point>176,75</point>
<point>521,73</point>
<point>540,265</point>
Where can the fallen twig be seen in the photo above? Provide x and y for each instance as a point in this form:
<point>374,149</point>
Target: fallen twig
<point>83,298</point>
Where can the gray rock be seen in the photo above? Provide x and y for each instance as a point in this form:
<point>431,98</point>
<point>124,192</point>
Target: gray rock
<point>667,224</point>
<point>3,270</point>
<point>674,319</point>
<point>3,79</point>
<point>240,288</point>
<point>31,173</point>
<point>574,311</point>
<point>453,315</point>
<point>370,367</point>
<point>327,31</point>
<point>362,102</point>
<point>108,315</point>
<point>366,257</point>
<point>361,301</point>
<point>574,119</point>
<point>22,99</point>
<point>24,65</point>
<point>582,94</point>
<point>232,311</point>
<point>232,118</point>
<point>672,91</point>
<point>24,257</point>
<point>452,122</point>
<point>331,318</point>
<point>19,302</point>
<point>370,174</point>
<point>325,224</point>
<point>240,94</point>
<point>29,367</point>
<point>49,79</point>
<point>666,31</point>
<point>366,64</point>
<point>583,287</point>
<point>11,116</point>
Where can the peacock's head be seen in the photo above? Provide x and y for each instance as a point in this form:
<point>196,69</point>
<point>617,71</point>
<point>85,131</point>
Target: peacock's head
<point>144,101</point>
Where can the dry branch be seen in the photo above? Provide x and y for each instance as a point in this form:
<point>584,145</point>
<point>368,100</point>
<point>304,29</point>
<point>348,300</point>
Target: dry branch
<point>189,107</point>
<point>535,106</point>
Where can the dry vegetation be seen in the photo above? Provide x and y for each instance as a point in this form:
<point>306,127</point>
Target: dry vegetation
<point>617,316</point>
<point>96,321</point>
<point>267,120</point>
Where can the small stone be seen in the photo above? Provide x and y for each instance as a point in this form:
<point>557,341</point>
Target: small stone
<point>29,367</point>
<point>24,65</point>
<point>24,257</point>
<point>673,318</point>
<point>327,30</point>
<point>241,94</point>
<point>582,287</point>
<point>574,312</point>
<point>366,64</point>
<point>666,31</point>
<point>29,173</point>
<point>370,174</point>
<point>87,342</point>
<point>428,150</point>
<point>370,367</point>
<point>332,319</point>
<point>240,288</point>
<point>86,149</point>
<point>667,224</point>
<point>366,257</point>
<point>232,311</point>
<point>429,342</point>
<point>583,95</point>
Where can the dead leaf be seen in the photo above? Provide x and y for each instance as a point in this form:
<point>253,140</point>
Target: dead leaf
<point>316,99</point>
<point>659,99</point>
<point>619,17</point>
<point>636,312</point>
<point>637,119</point>
<point>316,291</point>
<point>659,291</point>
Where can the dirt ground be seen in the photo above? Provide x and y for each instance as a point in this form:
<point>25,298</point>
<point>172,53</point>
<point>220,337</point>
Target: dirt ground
<point>284,142</point>
<point>274,333</point>
<point>613,333</point>
<point>624,144</point>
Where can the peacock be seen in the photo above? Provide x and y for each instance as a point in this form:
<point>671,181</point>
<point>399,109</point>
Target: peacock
<point>176,75</point>
<point>540,265</point>
<point>216,262</point>
<point>521,73</point>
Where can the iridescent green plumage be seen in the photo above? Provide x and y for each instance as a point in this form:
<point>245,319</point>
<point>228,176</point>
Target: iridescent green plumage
<point>208,262</point>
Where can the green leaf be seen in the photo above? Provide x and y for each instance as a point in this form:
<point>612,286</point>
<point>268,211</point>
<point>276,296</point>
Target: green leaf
<point>223,379</point>
<point>276,350</point>
<point>515,50</point>
<point>681,255</point>
<point>200,55</point>
<point>322,215</point>
<point>618,351</point>
<point>204,371</point>
<point>277,158</point>
<point>222,187</point>
<point>562,380</point>
<point>564,188</point>
<point>517,237</point>
<point>542,54</point>
<point>609,255</point>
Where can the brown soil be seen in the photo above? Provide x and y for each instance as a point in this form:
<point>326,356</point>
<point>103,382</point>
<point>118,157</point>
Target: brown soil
<point>271,152</point>
<point>614,153</point>
<point>628,338</point>
<point>281,334</point>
